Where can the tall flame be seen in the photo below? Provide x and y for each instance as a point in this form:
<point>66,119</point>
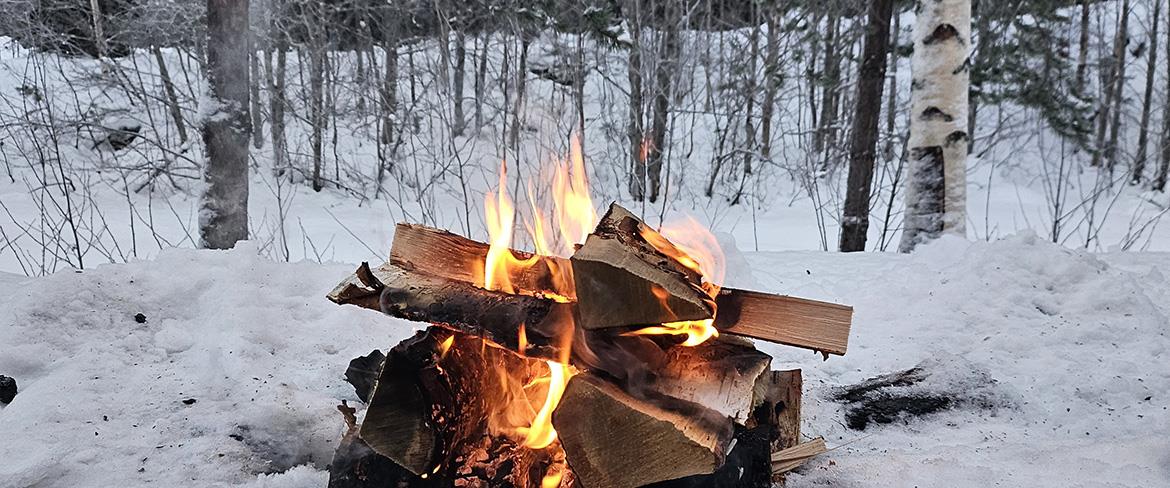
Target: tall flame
<point>573,217</point>
<point>501,219</point>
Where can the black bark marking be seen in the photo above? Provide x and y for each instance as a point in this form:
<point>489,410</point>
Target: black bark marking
<point>956,137</point>
<point>929,174</point>
<point>935,113</point>
<point>941,33</point>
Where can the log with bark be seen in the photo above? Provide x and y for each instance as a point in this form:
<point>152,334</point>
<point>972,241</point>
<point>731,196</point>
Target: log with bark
<point>438,259</point>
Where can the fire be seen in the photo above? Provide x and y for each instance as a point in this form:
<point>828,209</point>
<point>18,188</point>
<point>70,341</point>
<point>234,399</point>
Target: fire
<point>690,244</point>
<point>700,248</point>
<point>697,331</point>
<point>573,217</point>
<point>541,433</point>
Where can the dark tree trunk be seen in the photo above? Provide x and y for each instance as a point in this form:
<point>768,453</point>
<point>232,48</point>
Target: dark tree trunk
<point>223,217</point>
<point>460,62</point>
<point>481,81</point>
<point>771,85</point>
<point>257,114</point>
<point>172,97</point>
<point>1139,163</point>
<point>518,101</point>
<point>634,128</point>
<point>830,82</point>
<point>667,62</point>
<point>1083,53</point>
<point>1118,87</point>
<point>317,110</point>
<point>863,139</point>
<point>1160,177</point>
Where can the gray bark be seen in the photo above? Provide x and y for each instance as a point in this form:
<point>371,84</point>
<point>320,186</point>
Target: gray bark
<point>223,215</point>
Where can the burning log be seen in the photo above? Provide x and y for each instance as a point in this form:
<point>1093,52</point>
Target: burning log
<point>639,441</point>
<point>460,306</point>
<point>720,374</point>
<point>632,269</point>
<point>625,258</point>
<point>434,409</point>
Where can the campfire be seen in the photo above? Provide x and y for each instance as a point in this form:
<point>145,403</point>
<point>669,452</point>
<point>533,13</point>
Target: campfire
<point>609,357</point>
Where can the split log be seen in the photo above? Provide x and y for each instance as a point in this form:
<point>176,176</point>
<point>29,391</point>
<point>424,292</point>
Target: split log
<point>460,306</point>
<point>433,405</point>
<point>719,374</point>
<point>355,465</point>
<point>628,274</point>
<point>615,440</point>
<point>363,372</point>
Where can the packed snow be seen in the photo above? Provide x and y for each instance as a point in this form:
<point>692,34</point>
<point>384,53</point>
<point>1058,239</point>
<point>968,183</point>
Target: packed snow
<point>234,376</point>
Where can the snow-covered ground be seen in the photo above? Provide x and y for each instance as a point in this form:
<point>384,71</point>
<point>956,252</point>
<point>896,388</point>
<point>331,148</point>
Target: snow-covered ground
<point>1063,354</point>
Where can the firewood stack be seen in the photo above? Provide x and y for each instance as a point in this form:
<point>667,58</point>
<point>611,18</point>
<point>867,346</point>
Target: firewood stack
<point>611,350</point>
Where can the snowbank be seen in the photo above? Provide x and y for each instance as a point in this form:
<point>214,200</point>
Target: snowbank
<point>1074,346</point>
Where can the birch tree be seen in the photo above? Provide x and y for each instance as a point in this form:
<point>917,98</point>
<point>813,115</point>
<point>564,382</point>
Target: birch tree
<point>936,193</point>
<point>223,214</point>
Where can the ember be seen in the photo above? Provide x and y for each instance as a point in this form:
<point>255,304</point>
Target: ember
<point>544,371</point>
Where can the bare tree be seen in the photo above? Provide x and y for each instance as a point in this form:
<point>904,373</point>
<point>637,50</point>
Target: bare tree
<point>863,139</point>
<point>936,193</point>
<point>1139,163</point>
<point>223,217</point>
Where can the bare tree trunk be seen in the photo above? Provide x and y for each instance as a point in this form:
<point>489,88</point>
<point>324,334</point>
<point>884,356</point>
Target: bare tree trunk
<point>579,90</point>
<point>254,86</point>
<point>1139,163</point>
<point>634,128</point>
<point>481,80</point>
<point>460,63</point>
<point>518,101</point>
<point>1119,87</point>
<point>936,194</point>
<point>169,91</point>
<point>771,84</point>
<point>276,103</point>
<point>99,35</point>
<point>223,214</point>
<point>667,61</point>
<point>1113,76</point>
<point>863,137</point>
<point>1163,172</point>
<point>892,92</point>
<point>1083,51</point>
<point>316,108</point>
<point>830,81</point>
<point>749,129</point>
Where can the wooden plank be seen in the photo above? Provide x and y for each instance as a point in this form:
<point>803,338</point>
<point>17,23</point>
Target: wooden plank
<point>799,322</point>
<point>614,440</point>
<point>791,458</point>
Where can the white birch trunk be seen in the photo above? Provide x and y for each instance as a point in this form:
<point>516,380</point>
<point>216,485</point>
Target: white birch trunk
<point>936,194</point>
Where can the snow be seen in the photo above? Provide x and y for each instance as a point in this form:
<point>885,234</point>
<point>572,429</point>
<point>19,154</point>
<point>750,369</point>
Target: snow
<point>1074,342</point>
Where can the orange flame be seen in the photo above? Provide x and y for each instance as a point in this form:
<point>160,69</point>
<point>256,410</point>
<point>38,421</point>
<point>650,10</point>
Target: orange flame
<point>574,217</point>
<point>697,331</point>
<point>541,433</point>
<point>690,244</point>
